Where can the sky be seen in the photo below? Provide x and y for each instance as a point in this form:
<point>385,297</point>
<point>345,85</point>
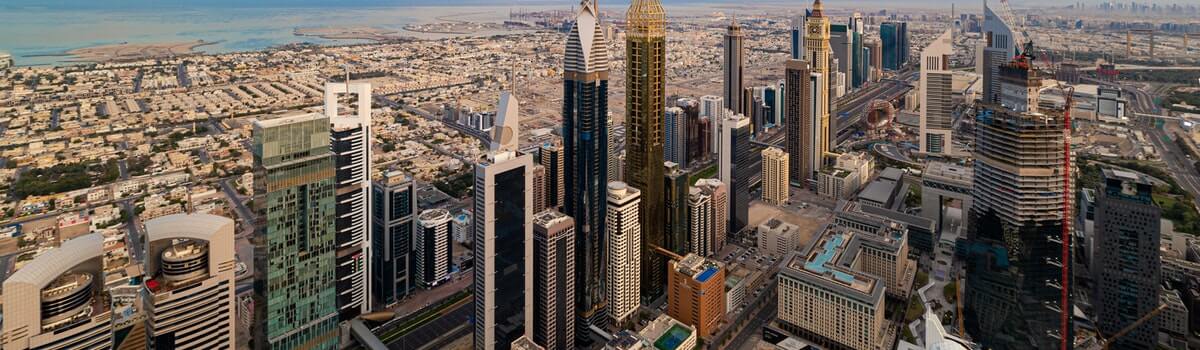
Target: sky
<point>144,4</point>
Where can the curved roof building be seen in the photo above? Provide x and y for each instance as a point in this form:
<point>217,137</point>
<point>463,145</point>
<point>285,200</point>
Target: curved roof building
<point>189,283</point>
<point>58,301</point>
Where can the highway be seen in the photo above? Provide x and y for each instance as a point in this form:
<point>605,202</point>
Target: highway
<point>453,324</point>
<point>1179,165</point>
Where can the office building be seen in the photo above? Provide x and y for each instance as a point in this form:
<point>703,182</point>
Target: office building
<point>391,238</point>
<point>999,47</point>
<point>894,36</point>
<point>645,96</point>
<point>819,57</point>
<point>590,162</point>
<point>846,176</point>
<point>296,247</point>
<point>552,156</point>
<point>58,299</point>
<point>432,248</point>
<point>735,156</point>
<point>734,65</point>
<point>874,58</point>
<point>797,37</point>
<point>554,280</point>
<point>351,146</point>
<point>777,238</point>
<point>841,43</point>
<point>858,30</point>
<point>718,194</point>
<point>696,293</point>
<point>775,189</point>
<point>503,236</point>
<point>1127,269</point>
<point>675,135</point>
<point>937,97</point>
<point>798,117</point>
<point>823,299</point>
<point>189,282</point>
<point>675,191</point>
<point>624,251</point>
<point>539,188</point>
<point>713,108</point>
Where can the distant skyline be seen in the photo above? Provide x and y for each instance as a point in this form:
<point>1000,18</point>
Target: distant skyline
<point>833,4</point>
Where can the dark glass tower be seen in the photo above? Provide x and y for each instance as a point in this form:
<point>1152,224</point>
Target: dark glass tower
<point>1128,269</point>
<point>391,238</point>
<point>645,100</point>
<point>585,143</point>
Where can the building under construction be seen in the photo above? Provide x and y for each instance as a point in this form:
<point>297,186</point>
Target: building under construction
<point>1014,283</point>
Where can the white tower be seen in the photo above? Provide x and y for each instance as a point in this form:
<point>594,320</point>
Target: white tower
<point>624,251</point>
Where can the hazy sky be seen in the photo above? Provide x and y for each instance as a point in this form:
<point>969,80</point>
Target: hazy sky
<point>126,4</point>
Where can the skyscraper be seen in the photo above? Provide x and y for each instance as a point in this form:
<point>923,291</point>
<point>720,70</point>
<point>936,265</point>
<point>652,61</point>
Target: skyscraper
<point>645,79</point>
<point>503,235</point>
<point>624,251</point>
<point>675,194</point>
<point>797,31</point>
<point>718,192</point>
<point>351,146</point>
<point>589,163</point>
<point>937,98</point>
<point>675,135</point>
<point>552,156</point>
<point>432,248</point>
<point>391,238</point>
<point>734,65</point>
<point>816,40</point>
<point>798,119</point>
<point>841,43</point>
<point>874,59</point>
<point>895,44</point>
<point>539,188</point>
<point>713,108</point>
<point>859,62</point>
<point>735,170</point>
<point>775,176</point>
<point>999,47</point>
<point>295,248</point>
<point>59,298</point>
<point>700,221</point>
<point>1128,270</point>
<point>554,280</point>
<point>1014,262</point>
<point>189,282</point>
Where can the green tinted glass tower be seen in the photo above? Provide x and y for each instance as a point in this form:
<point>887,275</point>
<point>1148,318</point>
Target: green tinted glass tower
<point>295,295</point>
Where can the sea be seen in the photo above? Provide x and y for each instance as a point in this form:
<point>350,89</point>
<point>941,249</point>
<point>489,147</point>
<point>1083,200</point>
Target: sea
<point>43,35</point>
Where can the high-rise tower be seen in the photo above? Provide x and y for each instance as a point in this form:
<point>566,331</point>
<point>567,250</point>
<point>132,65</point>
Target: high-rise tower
<point>999,46</point>
<point>588,162</point>
<point>295,246</point>
<point>58,299</point>
<point>554,280</point>
<point>351,146</point>
<point>624,250</point>
<point>797,116</point>
<point>816,42</point>
<point>190,281</point>
<point>503,236</point>
<point>1128,269</point>
<point>391,238</point>
<point>432,247</point>
<point>734,65</point>
<point>937,102</point>
<point>645,79</point>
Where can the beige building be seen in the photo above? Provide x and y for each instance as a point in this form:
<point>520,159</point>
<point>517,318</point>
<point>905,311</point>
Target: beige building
<point>778,238</point>
<point>624,251</point>
<point>718,193</point>
<point>825,297</point>
<point>846,176</point>
<point>189,288</point>
<point>774,176</point>
<point>58,300</point>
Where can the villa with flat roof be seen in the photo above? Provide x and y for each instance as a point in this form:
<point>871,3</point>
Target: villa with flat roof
<point>827,296</point>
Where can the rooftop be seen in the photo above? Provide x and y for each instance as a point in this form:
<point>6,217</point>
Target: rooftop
<point>826,261</point>
<point>698,267</point>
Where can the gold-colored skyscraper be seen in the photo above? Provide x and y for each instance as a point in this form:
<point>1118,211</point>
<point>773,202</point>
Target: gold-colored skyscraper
<point>816,41</point>
<point>645,89</point>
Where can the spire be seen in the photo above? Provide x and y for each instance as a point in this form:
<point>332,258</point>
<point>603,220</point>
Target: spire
<point>504,131</point>
<point>817,8</point>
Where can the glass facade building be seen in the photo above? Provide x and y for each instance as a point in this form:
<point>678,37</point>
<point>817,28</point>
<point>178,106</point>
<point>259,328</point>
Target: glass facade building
<point>391,238</point>
<point>895,44</point>
<point>295,280</point>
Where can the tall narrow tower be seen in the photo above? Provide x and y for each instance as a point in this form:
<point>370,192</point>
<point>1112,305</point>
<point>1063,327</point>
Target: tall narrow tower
<point>645,52</point>
<point>586,147</point>
<point>816,42</point>
<point>350,138</point>
<point>733,65</point>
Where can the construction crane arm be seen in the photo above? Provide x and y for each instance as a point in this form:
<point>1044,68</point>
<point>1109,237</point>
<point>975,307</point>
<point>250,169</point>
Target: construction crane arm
<point>1150,315</point>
